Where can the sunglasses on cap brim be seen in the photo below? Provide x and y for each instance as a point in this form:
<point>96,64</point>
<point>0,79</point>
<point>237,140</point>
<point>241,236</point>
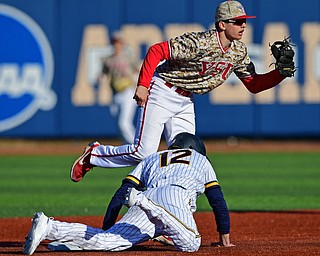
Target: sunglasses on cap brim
<point>236,21</point>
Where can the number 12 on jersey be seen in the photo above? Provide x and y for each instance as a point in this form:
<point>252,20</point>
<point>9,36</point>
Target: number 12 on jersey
<point>177,157</point>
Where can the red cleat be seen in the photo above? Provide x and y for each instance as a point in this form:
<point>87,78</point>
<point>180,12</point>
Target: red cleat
<point>165,240</point>
<point>82,165</point>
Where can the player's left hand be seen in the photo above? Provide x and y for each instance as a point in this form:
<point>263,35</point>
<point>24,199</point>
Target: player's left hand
<point>224,241</point>
<point>283,53</point>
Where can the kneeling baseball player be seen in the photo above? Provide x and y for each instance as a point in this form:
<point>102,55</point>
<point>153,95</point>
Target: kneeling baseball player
<point>173,179</point>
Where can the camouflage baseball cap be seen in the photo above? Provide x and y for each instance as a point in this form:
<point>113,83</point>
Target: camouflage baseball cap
<point>231,10</point>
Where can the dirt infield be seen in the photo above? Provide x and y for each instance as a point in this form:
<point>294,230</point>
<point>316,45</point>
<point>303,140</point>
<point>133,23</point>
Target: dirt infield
<point>253,233</point>
<point>63,147</point>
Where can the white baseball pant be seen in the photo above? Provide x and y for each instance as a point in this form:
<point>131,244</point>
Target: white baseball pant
<point>124,109</point>
<point>145,220</point>
<point>165,111</point>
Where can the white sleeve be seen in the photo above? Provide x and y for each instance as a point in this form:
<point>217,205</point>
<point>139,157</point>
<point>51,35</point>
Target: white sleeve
<point>210,175</point>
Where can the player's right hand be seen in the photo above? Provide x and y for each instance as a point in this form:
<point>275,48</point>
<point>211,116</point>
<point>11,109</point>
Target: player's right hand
<point>141,95</point>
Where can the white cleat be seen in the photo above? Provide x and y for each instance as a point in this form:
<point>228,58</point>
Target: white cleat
<point>63,246</point>
<point>131,197</point>
<point>37,233</point>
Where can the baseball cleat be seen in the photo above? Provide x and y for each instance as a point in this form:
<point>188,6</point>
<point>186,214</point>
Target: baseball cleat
<point>82,165</point>
<point>37,233</point>
<point>130,198</point>
<point>64,246</point>
<point>165,240</point>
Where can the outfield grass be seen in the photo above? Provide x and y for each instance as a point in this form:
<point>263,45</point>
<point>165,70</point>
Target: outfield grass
<point>268,181</point>
<point>250,181</point>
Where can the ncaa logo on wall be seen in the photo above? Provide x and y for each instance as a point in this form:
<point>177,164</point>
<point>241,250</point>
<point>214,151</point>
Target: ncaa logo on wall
<point>26,69</point>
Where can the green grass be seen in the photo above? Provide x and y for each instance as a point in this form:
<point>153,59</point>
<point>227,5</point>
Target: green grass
<point>250,181</point>
<point>268,181</point>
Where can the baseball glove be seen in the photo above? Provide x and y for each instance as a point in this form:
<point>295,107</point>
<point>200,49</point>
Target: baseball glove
<point>283,53</point>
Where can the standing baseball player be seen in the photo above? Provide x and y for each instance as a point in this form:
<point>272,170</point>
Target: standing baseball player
<point>173,180</point>
<point>121,68</point>
<point>192,63</point>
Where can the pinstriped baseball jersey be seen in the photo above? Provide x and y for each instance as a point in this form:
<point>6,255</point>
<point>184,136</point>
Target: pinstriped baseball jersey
<point>184,168</point>
<point>200,64</point>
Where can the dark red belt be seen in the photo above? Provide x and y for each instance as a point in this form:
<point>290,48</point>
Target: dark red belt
<point>179,90</point>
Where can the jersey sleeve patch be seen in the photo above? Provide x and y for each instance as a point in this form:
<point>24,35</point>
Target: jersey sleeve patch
<point>133,179</point>
<point>211,184</point>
